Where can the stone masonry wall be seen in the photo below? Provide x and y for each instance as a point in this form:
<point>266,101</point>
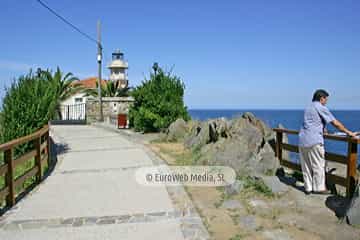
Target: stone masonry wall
<point>111,107</point>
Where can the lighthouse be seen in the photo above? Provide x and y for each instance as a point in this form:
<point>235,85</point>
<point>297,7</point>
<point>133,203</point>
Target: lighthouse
<point>118,69</point>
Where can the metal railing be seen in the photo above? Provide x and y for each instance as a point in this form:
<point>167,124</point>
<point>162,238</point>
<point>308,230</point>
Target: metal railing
<point>73,112</point>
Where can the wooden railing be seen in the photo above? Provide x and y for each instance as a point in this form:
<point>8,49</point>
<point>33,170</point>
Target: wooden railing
<point>350,160</point>
<point>39,145</point>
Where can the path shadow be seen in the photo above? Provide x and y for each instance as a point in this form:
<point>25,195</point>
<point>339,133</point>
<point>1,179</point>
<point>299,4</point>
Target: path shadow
<point>56,149</point>
<point>289,180</point>
<point>336,203</point>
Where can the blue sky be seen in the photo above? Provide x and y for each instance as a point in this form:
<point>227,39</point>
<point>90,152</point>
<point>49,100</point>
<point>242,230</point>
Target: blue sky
<point>230,54</point>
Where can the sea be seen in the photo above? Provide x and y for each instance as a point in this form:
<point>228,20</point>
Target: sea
<point>290,119</point>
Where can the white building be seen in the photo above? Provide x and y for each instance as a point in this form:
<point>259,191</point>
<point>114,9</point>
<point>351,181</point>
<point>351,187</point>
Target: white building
<point>73,108</point>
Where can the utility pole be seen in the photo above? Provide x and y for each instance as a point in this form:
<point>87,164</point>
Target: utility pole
<point>99,59</point>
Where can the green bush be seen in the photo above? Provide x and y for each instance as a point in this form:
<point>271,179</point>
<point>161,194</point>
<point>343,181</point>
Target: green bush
<point>32,100</point>
<point>29,103</point>
<point>158,102</point>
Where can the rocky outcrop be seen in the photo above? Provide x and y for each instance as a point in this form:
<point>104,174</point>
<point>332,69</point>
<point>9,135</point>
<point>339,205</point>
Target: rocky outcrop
<point>199,136</point>
<point>353,211</point>
<point>244,143</point>
<point>177,130</point>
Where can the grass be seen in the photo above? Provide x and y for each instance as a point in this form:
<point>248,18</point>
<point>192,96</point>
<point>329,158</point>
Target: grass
<point>182,156</point>
<point>186,157</point>
<point>222,198</point>
<point>252,184</point>
<point>19,171</point>
<point>236,237</point>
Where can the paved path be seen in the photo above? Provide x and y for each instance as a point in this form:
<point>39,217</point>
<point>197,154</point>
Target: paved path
<point>93,194</point>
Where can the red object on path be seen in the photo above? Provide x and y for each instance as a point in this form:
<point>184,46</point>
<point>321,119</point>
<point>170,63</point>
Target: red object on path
<point>122,120</point>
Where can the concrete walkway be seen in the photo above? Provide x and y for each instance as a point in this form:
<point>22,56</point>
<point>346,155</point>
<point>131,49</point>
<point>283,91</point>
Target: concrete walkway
<point>93,194</point>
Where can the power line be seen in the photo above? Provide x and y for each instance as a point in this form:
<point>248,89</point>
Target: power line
<point>67,22</point>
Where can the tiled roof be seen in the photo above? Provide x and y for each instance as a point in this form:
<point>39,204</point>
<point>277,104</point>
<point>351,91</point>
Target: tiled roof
<point>89,82</point>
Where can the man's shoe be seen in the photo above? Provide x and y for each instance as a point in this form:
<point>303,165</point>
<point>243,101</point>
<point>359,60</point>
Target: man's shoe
<point>325,192</point>
<point>307,192</point>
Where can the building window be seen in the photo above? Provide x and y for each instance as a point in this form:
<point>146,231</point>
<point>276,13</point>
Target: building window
<point>78,100</point>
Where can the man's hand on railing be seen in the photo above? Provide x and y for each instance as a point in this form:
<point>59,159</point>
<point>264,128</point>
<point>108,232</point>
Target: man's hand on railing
<point>342,128</point>
<point>351,134</point>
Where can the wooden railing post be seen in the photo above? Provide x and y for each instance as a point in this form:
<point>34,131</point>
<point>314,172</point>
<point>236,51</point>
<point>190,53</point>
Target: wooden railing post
<point>48,147</point>
<point>37,143</point>
<point>279,140</point>
<point>351,168</point>
<point>9,179</point>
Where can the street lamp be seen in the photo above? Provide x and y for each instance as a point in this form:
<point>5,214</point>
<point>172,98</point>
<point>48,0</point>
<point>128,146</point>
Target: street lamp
<point>38,72</point>
<point>155,67</point>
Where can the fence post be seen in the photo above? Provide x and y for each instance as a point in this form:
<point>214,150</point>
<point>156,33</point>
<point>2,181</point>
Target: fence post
<point>48,147</point>
<point>351,168</point>
<point>9,179</point>
<point>37,144</point>
<point>279,139</point>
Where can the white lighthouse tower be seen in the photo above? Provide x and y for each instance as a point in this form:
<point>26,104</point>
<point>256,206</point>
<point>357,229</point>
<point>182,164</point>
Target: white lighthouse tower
<point>118,69</point>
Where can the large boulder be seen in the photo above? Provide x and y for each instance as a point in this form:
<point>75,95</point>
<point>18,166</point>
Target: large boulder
<point>176,131</point>
<point>218,129</point>
<point>265,130</point>
<point>240,151</point>
<point>244,143</point>
<point>266,162</point>
<point>353,211</point>
<point>199,136</point>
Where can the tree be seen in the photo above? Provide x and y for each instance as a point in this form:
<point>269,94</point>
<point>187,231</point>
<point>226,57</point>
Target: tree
<point>32,100</point>
<point>63,86</point>
<point>109,89</point>
<point>29,103</point>
<point>158,102</point>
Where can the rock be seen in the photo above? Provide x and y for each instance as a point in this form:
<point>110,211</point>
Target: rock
<point>234,188</point>
<point>248,222</point>
<point>200,136</point>
<point>232,204</point>
<point>235,153</point>
<point>266,161</point>
<point>217,129</point>
<point>353,212</point>
<point>277,234</point>
<point>243,143</point>
<point>177,130</point>
<point>265,130</point>
<point>256,203</point>
<point>242,152</point>
<point>273,183</point>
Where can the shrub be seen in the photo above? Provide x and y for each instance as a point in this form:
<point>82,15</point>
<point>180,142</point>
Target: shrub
<point>158,102</point>
<point>32,100</point>
<point>29,103</point>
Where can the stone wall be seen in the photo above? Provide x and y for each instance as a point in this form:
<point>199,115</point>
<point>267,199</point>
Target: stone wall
<point>111,107</point>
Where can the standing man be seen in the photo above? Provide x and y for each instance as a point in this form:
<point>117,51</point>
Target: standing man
<point>311,142</point>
